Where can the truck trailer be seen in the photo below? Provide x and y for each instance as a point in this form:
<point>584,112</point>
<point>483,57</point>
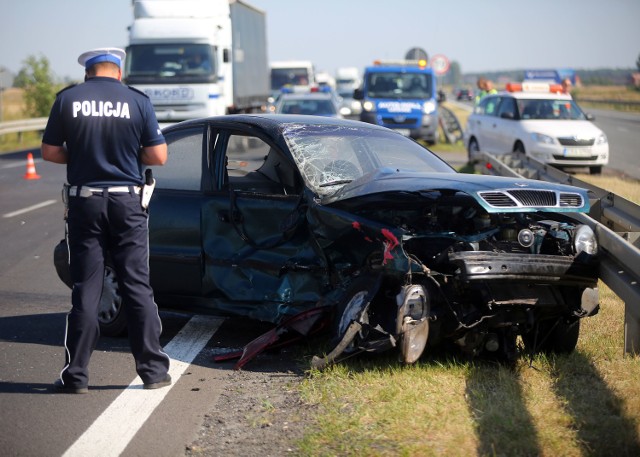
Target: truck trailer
<point>198,58</point>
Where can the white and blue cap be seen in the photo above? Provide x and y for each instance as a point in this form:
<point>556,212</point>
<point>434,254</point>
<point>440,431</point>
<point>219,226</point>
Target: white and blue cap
<point>113,55</point>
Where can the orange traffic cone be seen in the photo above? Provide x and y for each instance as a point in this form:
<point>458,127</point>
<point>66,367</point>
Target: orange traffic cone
<point>31,168</point>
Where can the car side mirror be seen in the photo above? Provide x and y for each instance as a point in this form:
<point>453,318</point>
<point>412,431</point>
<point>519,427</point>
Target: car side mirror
<point>507,116</point>
<point>358,94</point>
<point>590,117</point>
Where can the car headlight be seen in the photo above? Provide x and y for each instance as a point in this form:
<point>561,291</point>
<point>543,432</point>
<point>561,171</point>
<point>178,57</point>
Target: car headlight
<point>345,111</point>
<point>602,139</point>
<point>428,107</point>
<point>368,106</point>
<point>541,138</point>
<point>585,240</point>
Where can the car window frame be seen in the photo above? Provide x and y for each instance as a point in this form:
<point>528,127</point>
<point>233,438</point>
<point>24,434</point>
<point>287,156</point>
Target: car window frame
<point>204,168</point>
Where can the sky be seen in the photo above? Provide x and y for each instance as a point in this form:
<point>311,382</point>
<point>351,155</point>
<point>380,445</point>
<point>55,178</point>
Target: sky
<point>482,36</point>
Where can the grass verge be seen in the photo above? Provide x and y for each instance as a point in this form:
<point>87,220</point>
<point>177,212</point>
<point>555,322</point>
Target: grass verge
<point>586,403</point>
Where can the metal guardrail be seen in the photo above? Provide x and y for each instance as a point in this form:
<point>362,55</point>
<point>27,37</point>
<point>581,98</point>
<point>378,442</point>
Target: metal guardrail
<point>23,125</point>
<point>615,221</point>
<point>450,125</point>
<point>598,101</point>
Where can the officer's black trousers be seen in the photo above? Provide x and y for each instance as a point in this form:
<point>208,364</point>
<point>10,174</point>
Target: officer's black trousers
<point>117,223</point>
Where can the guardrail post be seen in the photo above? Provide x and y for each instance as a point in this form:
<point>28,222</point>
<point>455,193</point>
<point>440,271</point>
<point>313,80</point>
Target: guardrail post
<point>631,330</point>
<point>623,284</point>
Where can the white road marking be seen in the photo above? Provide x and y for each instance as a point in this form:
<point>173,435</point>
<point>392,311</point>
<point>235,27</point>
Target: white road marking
<point>29,208</point>
<point>19,164</point>
<point>112,431</point>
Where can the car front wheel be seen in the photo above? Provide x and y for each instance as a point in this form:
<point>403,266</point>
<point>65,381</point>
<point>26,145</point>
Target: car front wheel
<point>518,147</point>
<point>473,150</point>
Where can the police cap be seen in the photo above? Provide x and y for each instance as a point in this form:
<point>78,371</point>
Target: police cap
<point>113,55</point>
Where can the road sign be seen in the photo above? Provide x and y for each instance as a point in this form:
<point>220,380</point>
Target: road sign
<point>440,64</point>
<point>416,54</point>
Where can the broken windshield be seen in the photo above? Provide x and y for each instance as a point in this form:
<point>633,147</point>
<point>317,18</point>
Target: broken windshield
<point>330,157</point>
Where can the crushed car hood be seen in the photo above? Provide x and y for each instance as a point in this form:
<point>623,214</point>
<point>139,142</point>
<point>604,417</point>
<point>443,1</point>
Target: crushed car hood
<point>493,193</point>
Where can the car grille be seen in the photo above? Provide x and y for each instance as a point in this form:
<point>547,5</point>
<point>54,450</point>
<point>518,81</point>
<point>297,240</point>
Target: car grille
<point>572,141</point>
<point>520,198</point>
<point>576,159</point>
<point>405,122</point>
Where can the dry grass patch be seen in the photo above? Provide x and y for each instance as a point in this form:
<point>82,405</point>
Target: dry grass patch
<point>586,403</point>
<point>627,188</point>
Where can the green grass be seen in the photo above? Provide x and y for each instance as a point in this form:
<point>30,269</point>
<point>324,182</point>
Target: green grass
<point>586,403</point>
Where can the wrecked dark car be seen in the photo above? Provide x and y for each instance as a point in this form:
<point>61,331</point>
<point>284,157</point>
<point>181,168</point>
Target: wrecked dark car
<point>273,217</point>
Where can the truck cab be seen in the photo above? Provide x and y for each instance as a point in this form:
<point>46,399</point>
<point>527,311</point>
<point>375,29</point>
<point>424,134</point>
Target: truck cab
<point>401,96</point>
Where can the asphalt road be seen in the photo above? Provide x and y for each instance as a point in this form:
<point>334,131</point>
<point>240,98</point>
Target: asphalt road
<point>623,133</point>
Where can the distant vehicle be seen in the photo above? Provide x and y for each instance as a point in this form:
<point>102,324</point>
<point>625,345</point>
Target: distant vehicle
<point>297,75</point>
<point>313,103</point>
<point>325,79</point>
<point>401,95</point>
<point>347,79</point>
<point>464,94</point>
<point>551,75</point>
<point>349,106</point>
<point>540,121</point>
<point>199,58</point>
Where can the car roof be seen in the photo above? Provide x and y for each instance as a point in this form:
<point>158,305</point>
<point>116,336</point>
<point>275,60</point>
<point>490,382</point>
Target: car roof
<point>269,121</point>
<point>306,96</point>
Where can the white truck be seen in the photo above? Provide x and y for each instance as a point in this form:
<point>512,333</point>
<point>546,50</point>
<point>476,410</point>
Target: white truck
<point>198,58</point>
<point>347,79</point>
<point>296,75</point>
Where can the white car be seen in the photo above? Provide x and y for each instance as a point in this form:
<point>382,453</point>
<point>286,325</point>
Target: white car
<point>540,121</point>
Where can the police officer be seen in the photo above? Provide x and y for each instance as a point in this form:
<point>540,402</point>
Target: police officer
<point>104,131</point>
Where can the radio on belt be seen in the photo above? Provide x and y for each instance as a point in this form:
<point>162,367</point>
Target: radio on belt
<point>147,188</point>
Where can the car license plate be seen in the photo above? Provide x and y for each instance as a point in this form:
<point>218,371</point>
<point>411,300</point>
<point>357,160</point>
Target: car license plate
<point>577,152</point>
<point>405,132</point>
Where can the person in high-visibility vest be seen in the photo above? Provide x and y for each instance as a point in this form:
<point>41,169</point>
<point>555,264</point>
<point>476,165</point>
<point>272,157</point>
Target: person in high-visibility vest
<point>485,87</point>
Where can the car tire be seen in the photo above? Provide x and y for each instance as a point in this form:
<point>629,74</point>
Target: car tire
<point>595,170</point>
<point>111,315</point>
<point>519,147</point>
<point>472,150</point>
<point>554,336</point>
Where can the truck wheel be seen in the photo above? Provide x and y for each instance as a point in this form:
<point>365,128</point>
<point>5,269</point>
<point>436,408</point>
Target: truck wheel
<point>111,315</point>
<point>554,336</point>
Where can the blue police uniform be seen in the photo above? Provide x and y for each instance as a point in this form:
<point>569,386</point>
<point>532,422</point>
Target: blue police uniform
<point>104,123</point>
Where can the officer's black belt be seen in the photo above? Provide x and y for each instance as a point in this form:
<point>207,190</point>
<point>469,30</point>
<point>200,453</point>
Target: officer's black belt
<point>84,191</point>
